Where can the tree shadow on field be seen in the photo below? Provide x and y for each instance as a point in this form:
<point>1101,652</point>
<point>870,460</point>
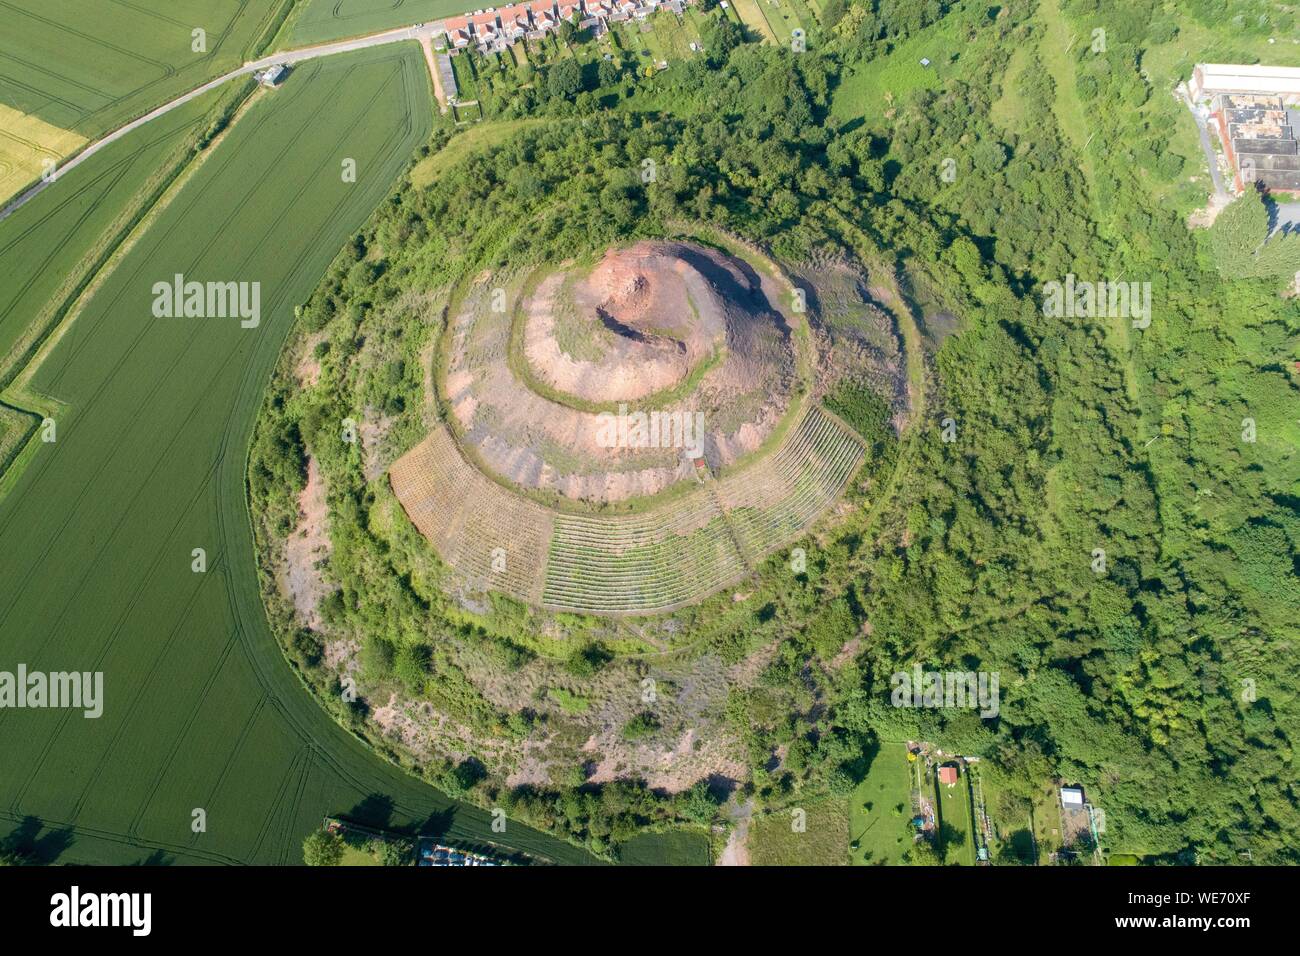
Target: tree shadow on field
<point>438,823</point>
<point>156,858</point>
<point>375,811</point>
<point>28,844</point>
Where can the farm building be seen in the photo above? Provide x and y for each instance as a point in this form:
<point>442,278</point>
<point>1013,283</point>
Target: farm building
<point>1212,79</point>
<point>435,854</point>
<point>1261,138</point>
<point>272,76</point>
<point>948,774</point>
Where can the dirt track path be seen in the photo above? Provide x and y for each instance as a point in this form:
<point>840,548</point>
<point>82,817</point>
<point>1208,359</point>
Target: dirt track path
<point>439,93</point>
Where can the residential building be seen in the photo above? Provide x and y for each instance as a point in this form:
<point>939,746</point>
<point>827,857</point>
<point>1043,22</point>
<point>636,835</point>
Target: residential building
<point>458,31</point>
<point>516,22</point>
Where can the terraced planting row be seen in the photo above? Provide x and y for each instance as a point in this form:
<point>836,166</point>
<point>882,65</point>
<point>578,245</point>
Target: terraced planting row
<point>496,538</point>
<point>771,504</point>
<point>624,564</point>
<point>641,563</point>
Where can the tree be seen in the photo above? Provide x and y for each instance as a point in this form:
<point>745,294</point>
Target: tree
<point>922,853</point>
<point>607,74</point>
<point>1240,243</point>
<point>724,37</point>
<point>395,852</point>
<point>564,79</point>
<point>699,803</point>
<point>323,848</point>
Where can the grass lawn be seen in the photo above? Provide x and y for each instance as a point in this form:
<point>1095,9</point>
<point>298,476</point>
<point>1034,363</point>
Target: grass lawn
<point>752,16</point>
<point>824,842</point>
<point>880,809</point>
<point>427,170</point>
<point>675,36</point>
<point>357,853</point>
<point>781,18</point>
<point>955,826</point>
<point>803,12</point>
<point>1008,112</point>
<point>868,90</point>
<point>1047,820</point>
<point>466,78</point>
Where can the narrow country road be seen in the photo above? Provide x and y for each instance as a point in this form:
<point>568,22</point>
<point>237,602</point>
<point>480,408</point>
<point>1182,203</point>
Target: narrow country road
<point>423,32</point>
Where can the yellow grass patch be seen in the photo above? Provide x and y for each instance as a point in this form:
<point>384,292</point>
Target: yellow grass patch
<point>26,143</point>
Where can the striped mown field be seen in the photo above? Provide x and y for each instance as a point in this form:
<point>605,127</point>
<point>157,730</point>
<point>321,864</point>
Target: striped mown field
<point>67,62</point>
<point>200,709</point>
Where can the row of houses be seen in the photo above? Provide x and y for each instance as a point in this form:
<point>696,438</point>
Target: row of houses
<point>495,29</point>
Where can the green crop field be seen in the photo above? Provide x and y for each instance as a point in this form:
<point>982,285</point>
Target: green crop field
<point>70,63</point>
<point>45,242</point>
<point>200,710</point>
<point>669,848</point>
<point>323,20</point>
<point>53,248</point>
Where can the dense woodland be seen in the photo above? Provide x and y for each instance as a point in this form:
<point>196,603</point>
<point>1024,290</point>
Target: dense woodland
<point>1163,683</point>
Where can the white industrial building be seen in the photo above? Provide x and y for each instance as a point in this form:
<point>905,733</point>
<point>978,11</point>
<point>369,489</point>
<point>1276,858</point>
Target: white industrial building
<point>1211,79</point>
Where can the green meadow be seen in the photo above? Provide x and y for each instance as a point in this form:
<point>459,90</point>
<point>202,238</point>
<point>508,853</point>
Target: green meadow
<point>208,750</point>
<point>775,840</point>
<point>871,88</point>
